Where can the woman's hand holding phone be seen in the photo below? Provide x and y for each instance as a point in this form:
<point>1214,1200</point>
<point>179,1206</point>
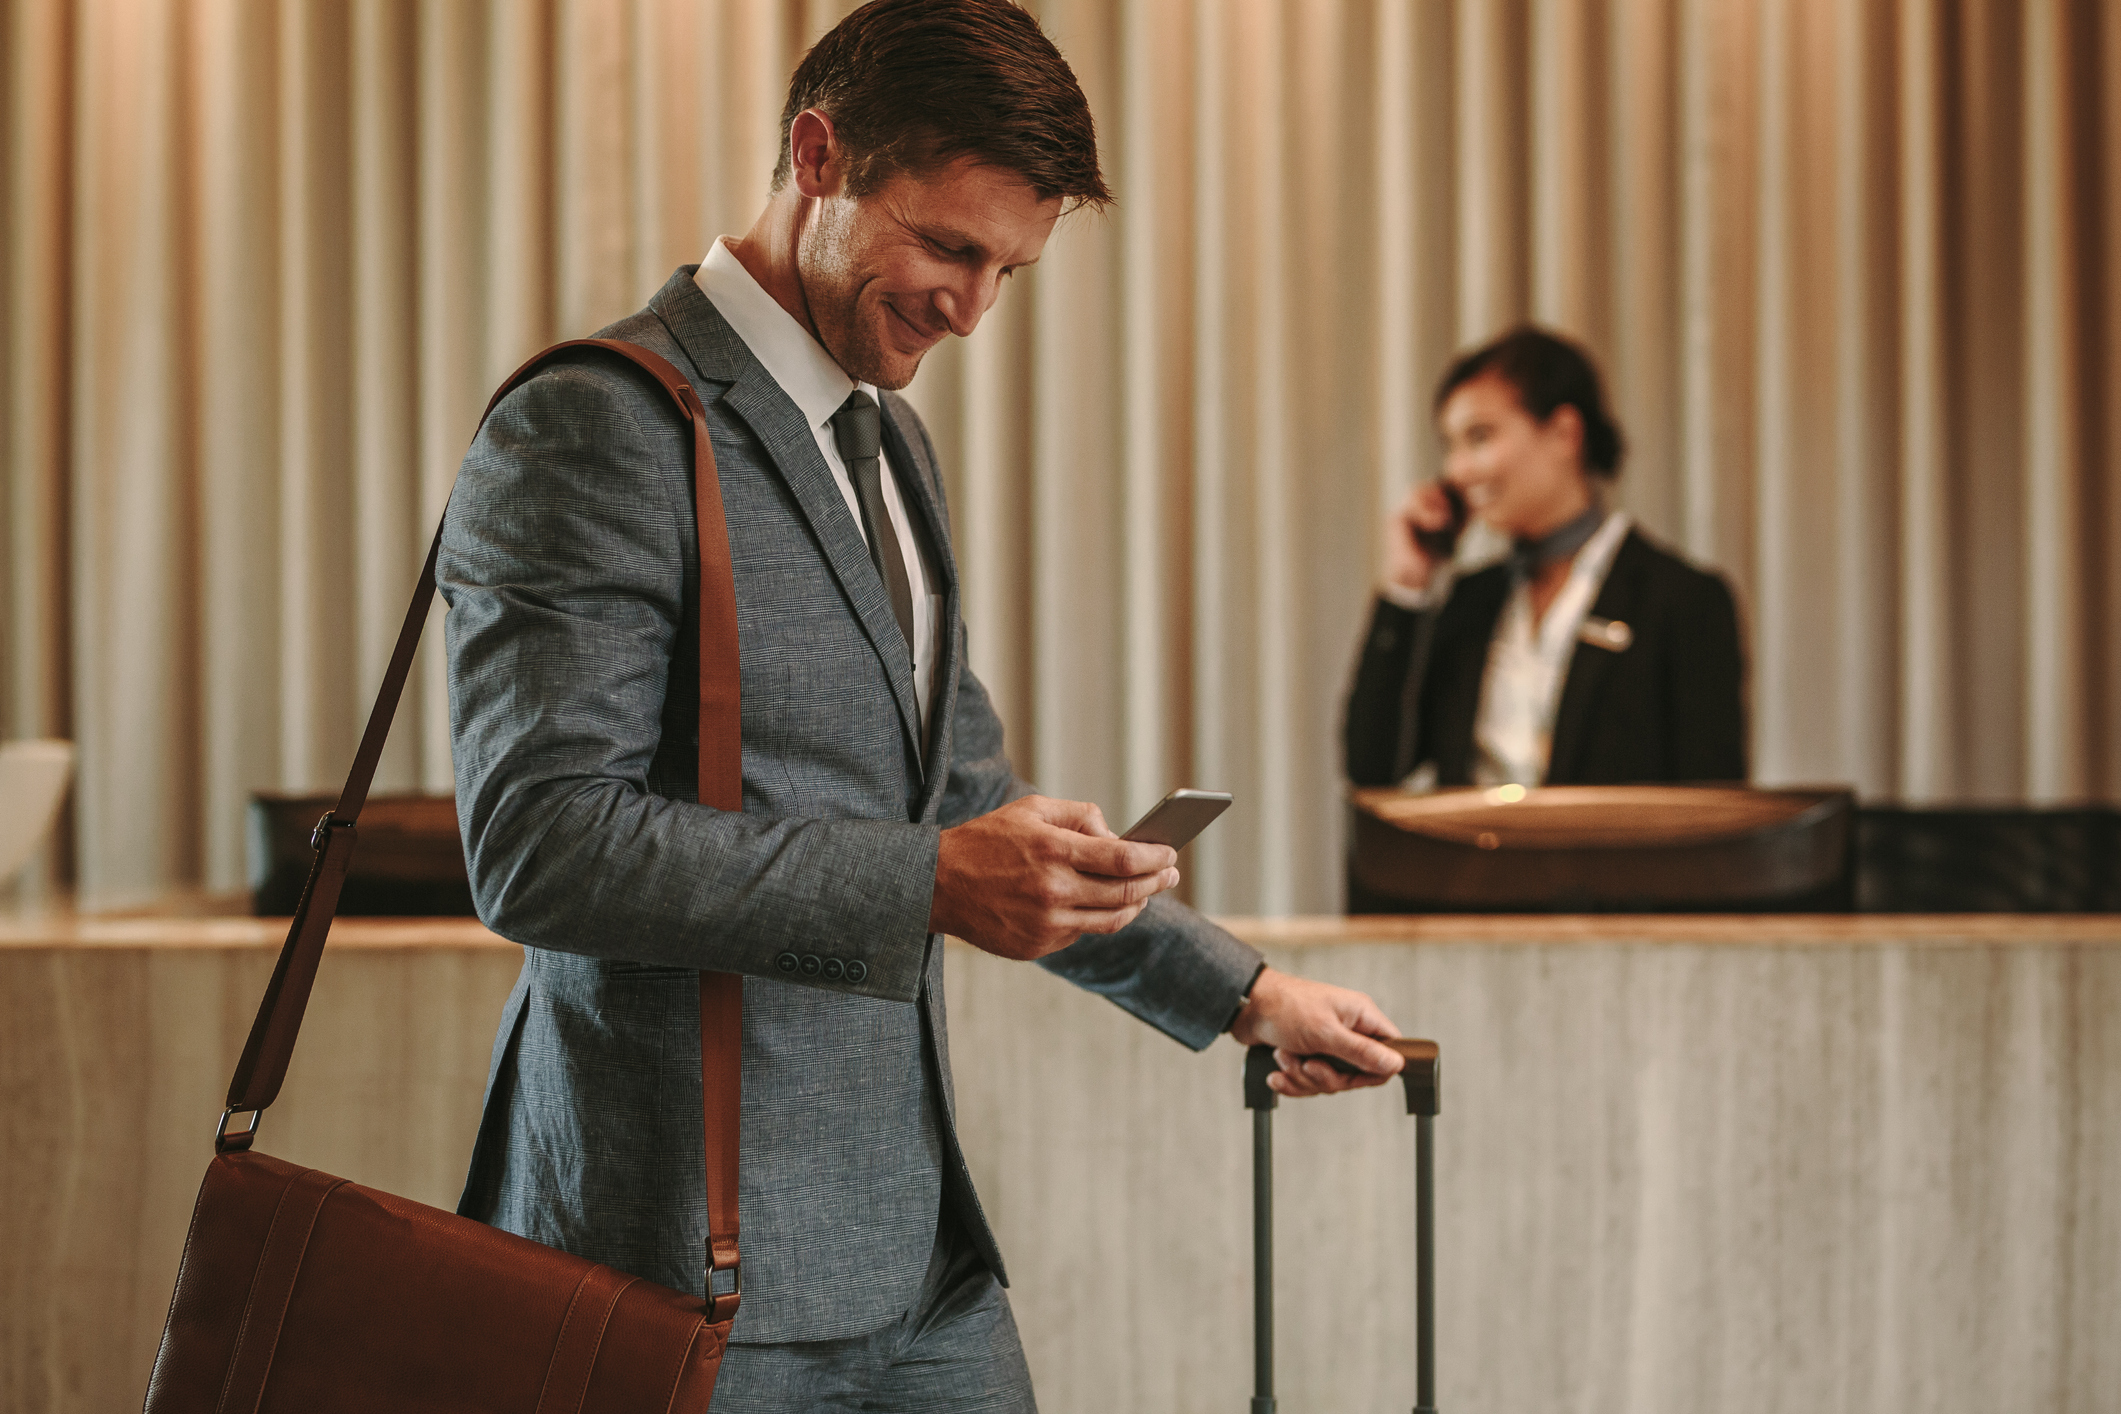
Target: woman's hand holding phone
<point>1422,533</point>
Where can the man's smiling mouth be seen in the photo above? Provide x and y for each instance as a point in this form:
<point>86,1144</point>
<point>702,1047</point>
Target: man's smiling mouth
<point>923,336</point>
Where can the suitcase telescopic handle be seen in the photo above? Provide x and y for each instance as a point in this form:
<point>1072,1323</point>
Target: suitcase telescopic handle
<point>1422,1075</point>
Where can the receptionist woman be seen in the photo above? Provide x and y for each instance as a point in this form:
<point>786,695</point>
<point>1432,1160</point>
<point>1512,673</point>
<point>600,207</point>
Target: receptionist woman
<point>1590,655</point>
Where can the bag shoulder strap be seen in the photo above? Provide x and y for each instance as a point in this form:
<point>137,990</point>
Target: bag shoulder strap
<point>263,1066</point>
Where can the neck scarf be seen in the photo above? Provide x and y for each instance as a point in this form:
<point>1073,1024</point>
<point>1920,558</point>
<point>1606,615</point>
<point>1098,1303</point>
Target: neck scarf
<point>1528,557</point>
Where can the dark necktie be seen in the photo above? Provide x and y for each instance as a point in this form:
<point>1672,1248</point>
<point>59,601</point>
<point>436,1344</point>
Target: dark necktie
<point>858,428</point>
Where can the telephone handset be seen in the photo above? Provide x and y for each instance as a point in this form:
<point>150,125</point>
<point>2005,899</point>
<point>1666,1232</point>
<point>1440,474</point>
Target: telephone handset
<point>1442,544</point>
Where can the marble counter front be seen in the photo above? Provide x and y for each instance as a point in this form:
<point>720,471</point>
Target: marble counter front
<point>1775,1163</point>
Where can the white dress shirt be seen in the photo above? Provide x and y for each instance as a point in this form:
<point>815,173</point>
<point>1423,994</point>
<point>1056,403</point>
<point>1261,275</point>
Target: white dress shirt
<point>817,386</point>
<point>1513,734</point>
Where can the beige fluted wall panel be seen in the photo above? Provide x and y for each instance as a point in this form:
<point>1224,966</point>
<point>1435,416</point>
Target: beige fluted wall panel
<point>1802,1165</point>
<point>1850,268</point>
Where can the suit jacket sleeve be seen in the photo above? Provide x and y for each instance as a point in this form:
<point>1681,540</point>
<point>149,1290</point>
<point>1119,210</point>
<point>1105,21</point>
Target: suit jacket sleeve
<point>567,562</point>
<point>1170,967</point>
<point>1708,685</point>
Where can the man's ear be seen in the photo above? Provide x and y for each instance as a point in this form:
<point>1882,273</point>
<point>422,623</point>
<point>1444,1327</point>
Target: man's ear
<point>814,155</point>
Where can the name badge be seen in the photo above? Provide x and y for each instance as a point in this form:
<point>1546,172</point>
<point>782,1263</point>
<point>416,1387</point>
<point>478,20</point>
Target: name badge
<point>1613,635</point>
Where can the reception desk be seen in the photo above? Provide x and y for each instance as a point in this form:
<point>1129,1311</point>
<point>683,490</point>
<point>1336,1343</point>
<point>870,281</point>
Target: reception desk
<point>1774,1163</point>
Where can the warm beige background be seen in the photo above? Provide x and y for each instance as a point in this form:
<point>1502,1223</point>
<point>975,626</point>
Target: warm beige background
<point>1752,1166</point>
<point>1851,268</point>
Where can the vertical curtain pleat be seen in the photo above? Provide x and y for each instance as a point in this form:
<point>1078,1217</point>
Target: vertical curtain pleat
<point>1859,493</point>
<point>2100,118</point>
<point>1153,221</point>
<point>252,89</point>
<point>1220,335</point>
<point>1396,380</point>
<point>1075,545</point>
<point>36,248</point>
<point>1638,351</point>
<point>1848,268</point>
<point>1927,713</point>
<point>133,464</point>
<point>1259,583</point>
<point>359,597</point>
<point>455,55</point>
<point>2056,649</point>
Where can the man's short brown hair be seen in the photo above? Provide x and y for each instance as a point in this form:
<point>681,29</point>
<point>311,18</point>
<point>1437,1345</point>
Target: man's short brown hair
<point>912,84</point>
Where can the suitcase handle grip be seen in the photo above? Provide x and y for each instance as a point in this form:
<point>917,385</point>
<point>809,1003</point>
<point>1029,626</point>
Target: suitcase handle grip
<point>1422,1074</point>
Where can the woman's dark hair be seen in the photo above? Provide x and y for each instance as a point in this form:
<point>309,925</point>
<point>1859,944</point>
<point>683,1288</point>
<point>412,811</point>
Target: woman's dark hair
<point>1548,372</point>
<point>911,84</point>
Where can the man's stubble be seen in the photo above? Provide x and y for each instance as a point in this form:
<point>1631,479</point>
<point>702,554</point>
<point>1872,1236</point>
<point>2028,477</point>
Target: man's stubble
<point>832,290</point>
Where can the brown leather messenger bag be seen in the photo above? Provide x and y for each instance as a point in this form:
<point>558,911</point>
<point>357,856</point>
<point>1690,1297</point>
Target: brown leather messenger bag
<point>304,1292</point>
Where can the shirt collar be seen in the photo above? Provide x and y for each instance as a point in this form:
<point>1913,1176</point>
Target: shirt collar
<point>797,362</point>
<point>1596,556</point>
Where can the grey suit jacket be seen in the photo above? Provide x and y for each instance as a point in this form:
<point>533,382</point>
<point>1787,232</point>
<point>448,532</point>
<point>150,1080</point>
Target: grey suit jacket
<point>570,565</point>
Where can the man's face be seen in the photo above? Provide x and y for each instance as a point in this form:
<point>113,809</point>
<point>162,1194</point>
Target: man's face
<point>887,275</point>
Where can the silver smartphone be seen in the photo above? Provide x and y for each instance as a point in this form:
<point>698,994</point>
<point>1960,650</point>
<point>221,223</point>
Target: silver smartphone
<point>1178,817</point>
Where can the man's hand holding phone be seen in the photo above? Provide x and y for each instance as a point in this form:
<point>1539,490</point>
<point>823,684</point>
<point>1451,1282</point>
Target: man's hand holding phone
<point>1032,877</point>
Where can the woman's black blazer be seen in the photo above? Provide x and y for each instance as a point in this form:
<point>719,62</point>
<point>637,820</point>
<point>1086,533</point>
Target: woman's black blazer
<point>1669,707</point>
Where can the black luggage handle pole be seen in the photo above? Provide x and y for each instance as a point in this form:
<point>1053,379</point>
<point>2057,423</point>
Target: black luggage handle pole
<point>1260,1099</point>
<point>1423,1077</point>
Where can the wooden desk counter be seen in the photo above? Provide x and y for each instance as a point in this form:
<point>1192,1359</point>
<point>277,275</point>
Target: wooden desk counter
<point>1828,1163</point>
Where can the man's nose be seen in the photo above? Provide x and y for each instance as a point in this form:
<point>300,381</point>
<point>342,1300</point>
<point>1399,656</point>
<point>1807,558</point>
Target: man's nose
<point>962,304</point>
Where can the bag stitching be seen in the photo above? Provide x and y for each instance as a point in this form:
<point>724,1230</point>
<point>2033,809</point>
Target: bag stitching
<point>235,1355</point>
<point>590,1369</point>
<point>677,1379</point>
<point>559,1342</point>
<point>294,1276</point>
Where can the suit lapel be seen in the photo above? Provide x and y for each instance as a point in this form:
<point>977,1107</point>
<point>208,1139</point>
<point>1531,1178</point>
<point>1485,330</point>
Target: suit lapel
<point>917,482</point>
<point>917,486</point>
<point>758,402</point>
<point>1619,597</point>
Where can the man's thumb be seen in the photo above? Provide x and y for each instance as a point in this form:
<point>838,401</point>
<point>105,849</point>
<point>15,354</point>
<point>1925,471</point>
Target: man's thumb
<point>1077,815</point>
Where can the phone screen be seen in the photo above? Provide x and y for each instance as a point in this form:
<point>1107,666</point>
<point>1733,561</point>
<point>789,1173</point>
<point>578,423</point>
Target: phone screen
<point>1178,817</point>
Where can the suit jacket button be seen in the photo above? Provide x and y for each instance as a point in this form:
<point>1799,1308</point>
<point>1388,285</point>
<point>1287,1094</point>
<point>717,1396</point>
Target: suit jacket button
<point>834,969</point>
<point>857,972</point>
<point>787,962</point>
<point>812,964</point>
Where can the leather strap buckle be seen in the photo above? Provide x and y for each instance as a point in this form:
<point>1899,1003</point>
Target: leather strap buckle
<point>732,1297</point>
<point>236,1141</point>
<point>320,836</point>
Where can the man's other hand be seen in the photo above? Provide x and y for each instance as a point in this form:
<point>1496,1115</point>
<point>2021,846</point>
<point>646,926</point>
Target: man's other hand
<point>1032,877</point>
<point>1299,1017</point>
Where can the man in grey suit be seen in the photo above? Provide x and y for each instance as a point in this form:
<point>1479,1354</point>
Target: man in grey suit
<point>929,147</point>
